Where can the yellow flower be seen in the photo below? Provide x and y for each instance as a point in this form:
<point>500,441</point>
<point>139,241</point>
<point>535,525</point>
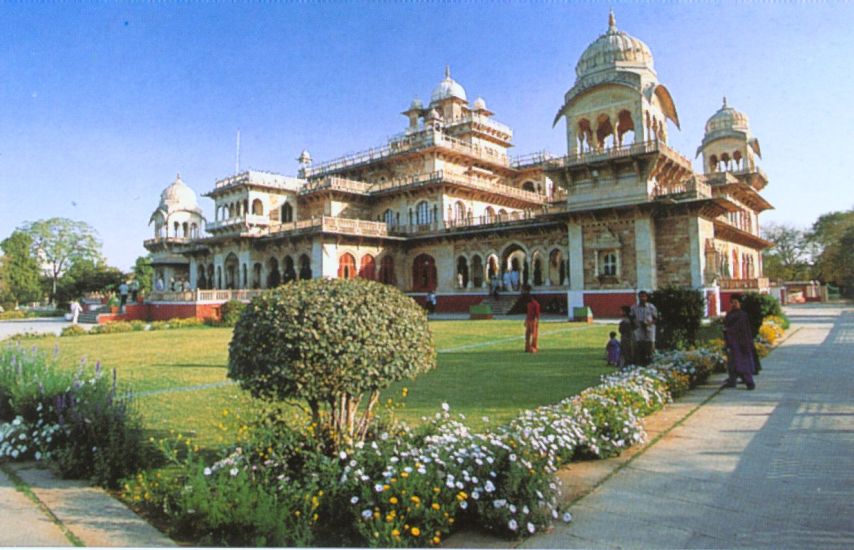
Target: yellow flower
<point>405,392</point>
<point>297,513</point>
<point>393,500</point>
<point>404,474</point>
<point>415,499</point>
<point>435,506</point>
<point>416,531</point>
<point>395,533</point>
<point>436,490</point>
<point>314,517</point>
<point>436,540</point>
<point>376,515</point>
<point>462,495</point>
<point>386,487</point>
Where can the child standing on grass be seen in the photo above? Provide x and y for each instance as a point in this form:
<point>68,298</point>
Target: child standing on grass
<point>612,350</point>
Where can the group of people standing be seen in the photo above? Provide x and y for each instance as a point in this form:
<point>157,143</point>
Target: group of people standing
<point>637,334</point>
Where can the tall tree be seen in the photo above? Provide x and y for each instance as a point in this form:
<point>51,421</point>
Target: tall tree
<point>59,242</point>
<point>20,270</point>
<point>787,259</point>
<point>85,275</point>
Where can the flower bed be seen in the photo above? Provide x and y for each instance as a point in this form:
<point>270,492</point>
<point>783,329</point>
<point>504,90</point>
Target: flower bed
<point>405,486</point>
<point>77,422</point>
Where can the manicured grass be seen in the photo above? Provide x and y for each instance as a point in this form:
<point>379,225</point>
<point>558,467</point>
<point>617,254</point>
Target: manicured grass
<point>482,371</point>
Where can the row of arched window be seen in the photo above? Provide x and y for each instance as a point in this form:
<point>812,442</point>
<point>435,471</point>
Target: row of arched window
<point>239,208</point>
<point>234,275</point>
<point>187,230</point>
<point>458,214</point>
<point>741,219</point>
<point>367,268</point>
<point>726,162</point>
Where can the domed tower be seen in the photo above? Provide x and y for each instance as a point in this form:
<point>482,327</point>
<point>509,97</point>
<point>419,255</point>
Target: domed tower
<point>178,215</point>
<point>177,220</point>
<point>616,98</point>
<point>448,98</point>
<point>727,144</point>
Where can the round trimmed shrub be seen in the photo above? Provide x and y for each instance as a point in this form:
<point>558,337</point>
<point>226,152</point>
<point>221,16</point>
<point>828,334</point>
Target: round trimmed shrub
<point>230,312</point>
<point>330,342</point>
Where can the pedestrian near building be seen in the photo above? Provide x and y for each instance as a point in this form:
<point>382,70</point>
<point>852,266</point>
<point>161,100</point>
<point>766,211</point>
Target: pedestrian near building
<point>507,280</point>
<point>612,350</point>
<point>646,315</point>
<point>76,308</point>
<point>532,323</point>
<point>738,337</point>
<point>431,302</point>
<point>627,337</point>
<point>134,290</point>
<point>123,294</point>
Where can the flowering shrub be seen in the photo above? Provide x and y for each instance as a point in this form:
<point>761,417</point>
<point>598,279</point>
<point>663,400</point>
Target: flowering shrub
<point>76,420</point>
<point>73,330</point>
<point>410,487</point>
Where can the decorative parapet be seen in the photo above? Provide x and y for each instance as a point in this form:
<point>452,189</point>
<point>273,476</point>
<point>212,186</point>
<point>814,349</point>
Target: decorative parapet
<point>199,295</point>
<point>616,153</point>
<point>406,143</point>
<point>336,183</point>
<point>269,180</point>
<point>757,283</point>
<point>238,221</point>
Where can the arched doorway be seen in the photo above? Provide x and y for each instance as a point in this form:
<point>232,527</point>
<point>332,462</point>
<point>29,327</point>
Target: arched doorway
<point>288,272</point>
<point>304,267</point>
<point>274,277</point>
<point>537,264</point>
<point>462,272</point>
<point>256,275</point>
<point>231,271</point>
<point>477,271</point>
<point>367,268</point>
<point>424,273</point>
<point>387,270</point>
<point>514,260</point>
<point>557,268</point>
<point>346,266</point>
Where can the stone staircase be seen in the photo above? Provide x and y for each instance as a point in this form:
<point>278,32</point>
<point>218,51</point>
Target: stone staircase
<point>503,304</point>
<point>91,317</point>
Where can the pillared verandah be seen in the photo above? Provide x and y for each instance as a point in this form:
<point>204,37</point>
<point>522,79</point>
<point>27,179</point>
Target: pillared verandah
<point>442,206</point>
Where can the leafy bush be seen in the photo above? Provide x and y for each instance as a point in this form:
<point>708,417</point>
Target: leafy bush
<point>138,326</point>
<point>330,342</point>
<point>230,312</point>
<point>758,307</point>
<point>115,327</point>
<point>76,420</point>
<point>13,314</point>
<point>73,330</point>
<point>680,314</point>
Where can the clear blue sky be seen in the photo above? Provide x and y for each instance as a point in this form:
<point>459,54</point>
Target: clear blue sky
<point>102,103</point>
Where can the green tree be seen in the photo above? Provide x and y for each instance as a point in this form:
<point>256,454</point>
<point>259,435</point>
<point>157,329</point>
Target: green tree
<point>787,259</point>
<point>84,276</point>
<point>144,273</point>
<point>832,235</point>
<point>20,270</point>
<point>330,342</point>
<point>59,242</point>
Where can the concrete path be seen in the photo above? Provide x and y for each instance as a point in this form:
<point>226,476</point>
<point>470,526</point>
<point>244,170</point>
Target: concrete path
<point>40,325</point>
<point>22,523</point>
<point>768,468</point>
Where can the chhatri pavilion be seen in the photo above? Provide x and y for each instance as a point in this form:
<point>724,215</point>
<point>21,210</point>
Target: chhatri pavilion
<point>443,207</point>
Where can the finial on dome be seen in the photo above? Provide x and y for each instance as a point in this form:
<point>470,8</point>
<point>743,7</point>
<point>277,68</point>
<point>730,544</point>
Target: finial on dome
<point>178,177</point>
<point>448,72</point>
<point>612,21</point>
<point>724,107</point>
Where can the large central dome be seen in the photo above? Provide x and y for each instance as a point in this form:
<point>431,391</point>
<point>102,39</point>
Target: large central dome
<point>448,88</point>
<point>612,49</point>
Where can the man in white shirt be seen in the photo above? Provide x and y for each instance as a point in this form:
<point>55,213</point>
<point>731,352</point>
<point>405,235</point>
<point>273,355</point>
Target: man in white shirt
<point>75,311</point>
<point>645,315</point>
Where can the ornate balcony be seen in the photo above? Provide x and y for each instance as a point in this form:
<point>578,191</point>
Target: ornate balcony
<point>757,283</point>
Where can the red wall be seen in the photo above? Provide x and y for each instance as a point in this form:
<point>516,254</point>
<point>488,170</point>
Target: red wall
<point>608,305</point>
<point>162,312</point>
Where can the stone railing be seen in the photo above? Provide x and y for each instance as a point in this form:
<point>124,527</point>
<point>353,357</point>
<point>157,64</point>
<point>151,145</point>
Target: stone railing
<point>531,159</point>
<point>687,189</point>
<point>404,144</point>
<point>472,182</point>
<point>248,219</point>
<point>200,295</point>
<point>336,183</point>
<point>171,240</point>
<point>477,118</point>
<point>615,153</point>
<point>744,284</point>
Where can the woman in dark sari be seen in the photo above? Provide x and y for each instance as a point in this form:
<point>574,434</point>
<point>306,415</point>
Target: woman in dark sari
<point>739,345</point>
<point>627,337</point>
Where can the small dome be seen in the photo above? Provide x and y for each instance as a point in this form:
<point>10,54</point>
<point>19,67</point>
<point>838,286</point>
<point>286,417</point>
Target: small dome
<point>611,48</point>
<point>416,104</point>
<point>448,88</point>
<point>727,119</point>
<point>480,104</point>
<point>304,157</point>
<point>178,196</point>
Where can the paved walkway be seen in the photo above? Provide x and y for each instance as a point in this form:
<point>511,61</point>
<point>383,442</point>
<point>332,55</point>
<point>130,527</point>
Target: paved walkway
<point>768,468</point>
<point>39,325</point>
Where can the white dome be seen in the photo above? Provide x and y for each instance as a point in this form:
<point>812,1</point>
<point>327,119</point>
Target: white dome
<point>448,88</point>
<point>480,104</point>
<point>727,119</point>
<point>178,196</point>
<point>613,48</point>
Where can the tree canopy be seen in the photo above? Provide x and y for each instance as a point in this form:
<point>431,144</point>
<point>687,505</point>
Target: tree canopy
<point>20,271</point>
<point>59,242</point>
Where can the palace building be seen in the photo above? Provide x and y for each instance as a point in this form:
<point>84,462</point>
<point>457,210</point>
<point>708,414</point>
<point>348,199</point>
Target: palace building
<point>443,207</point>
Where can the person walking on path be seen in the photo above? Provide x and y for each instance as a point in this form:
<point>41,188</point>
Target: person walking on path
<point>123,294</point>
<point>738,337</point>
<point>532,323</point>
<point>646,315</point>
<point>627,339</point>
<point>134,291</point>
<point>75,311</point>
<point>612,350</point>
<point>431,302</point>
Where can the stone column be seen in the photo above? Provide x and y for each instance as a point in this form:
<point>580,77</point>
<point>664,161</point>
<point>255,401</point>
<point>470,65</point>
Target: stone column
<point>699,230</point>
<point>324,257</point>
<point>575,294</point>
<point>645,254</point>
<point>194,273</point>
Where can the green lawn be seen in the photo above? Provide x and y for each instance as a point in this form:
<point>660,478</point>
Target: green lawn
<point>482,371</point>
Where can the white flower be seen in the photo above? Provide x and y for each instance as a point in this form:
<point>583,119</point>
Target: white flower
<point>489,487</point>
<point>343,455</point>
<point>446,407</point>
<point>384,436</point>
<point>464,504</point>
<point>234,471</point>
<point>354,500</point>
<point>526,510</point>
<point>512,509</point>
<point>567,517</point>
<point>366,514</point>
<point>512,457</point>
<point>531,527</point>
<point>499,503</point>
<point>378,488</point>
<point>208,471</point>
<point>38,455</point>
<point>512,525</point>
<point>475,495</point>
